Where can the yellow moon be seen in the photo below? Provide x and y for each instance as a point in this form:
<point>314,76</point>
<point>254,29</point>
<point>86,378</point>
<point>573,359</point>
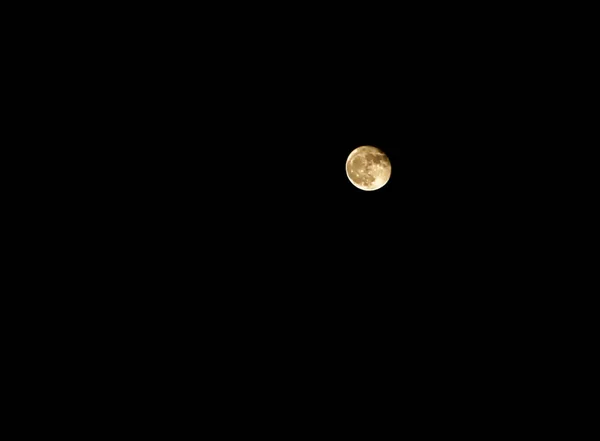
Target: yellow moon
<point>368,168</point>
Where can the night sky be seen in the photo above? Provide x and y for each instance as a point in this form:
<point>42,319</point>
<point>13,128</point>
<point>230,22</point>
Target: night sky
<point>240,162</point>
<point>230,237</point>
<point>234,159</point>
<point>251,130</point>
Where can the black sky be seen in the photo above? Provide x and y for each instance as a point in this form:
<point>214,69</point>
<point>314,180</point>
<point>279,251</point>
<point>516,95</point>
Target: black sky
<point>222,217</point>
<point>234,145</point>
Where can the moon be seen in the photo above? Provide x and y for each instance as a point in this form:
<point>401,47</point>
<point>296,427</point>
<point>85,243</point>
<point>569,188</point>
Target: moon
<point>368,168</point>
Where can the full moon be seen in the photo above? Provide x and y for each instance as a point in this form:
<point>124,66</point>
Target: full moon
<point>368,168</point>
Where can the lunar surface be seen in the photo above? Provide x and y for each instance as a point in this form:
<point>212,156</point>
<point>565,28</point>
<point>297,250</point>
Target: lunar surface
<point>368,168</point>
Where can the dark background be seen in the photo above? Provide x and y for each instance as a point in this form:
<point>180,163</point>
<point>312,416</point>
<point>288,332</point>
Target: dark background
<point>225,236</point>
<point>248,136</point>
<point>224,194</point>
<point>228,145</point>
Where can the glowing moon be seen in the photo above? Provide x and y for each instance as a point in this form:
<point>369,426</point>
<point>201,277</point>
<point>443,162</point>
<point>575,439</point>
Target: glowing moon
<point>368,168</point>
